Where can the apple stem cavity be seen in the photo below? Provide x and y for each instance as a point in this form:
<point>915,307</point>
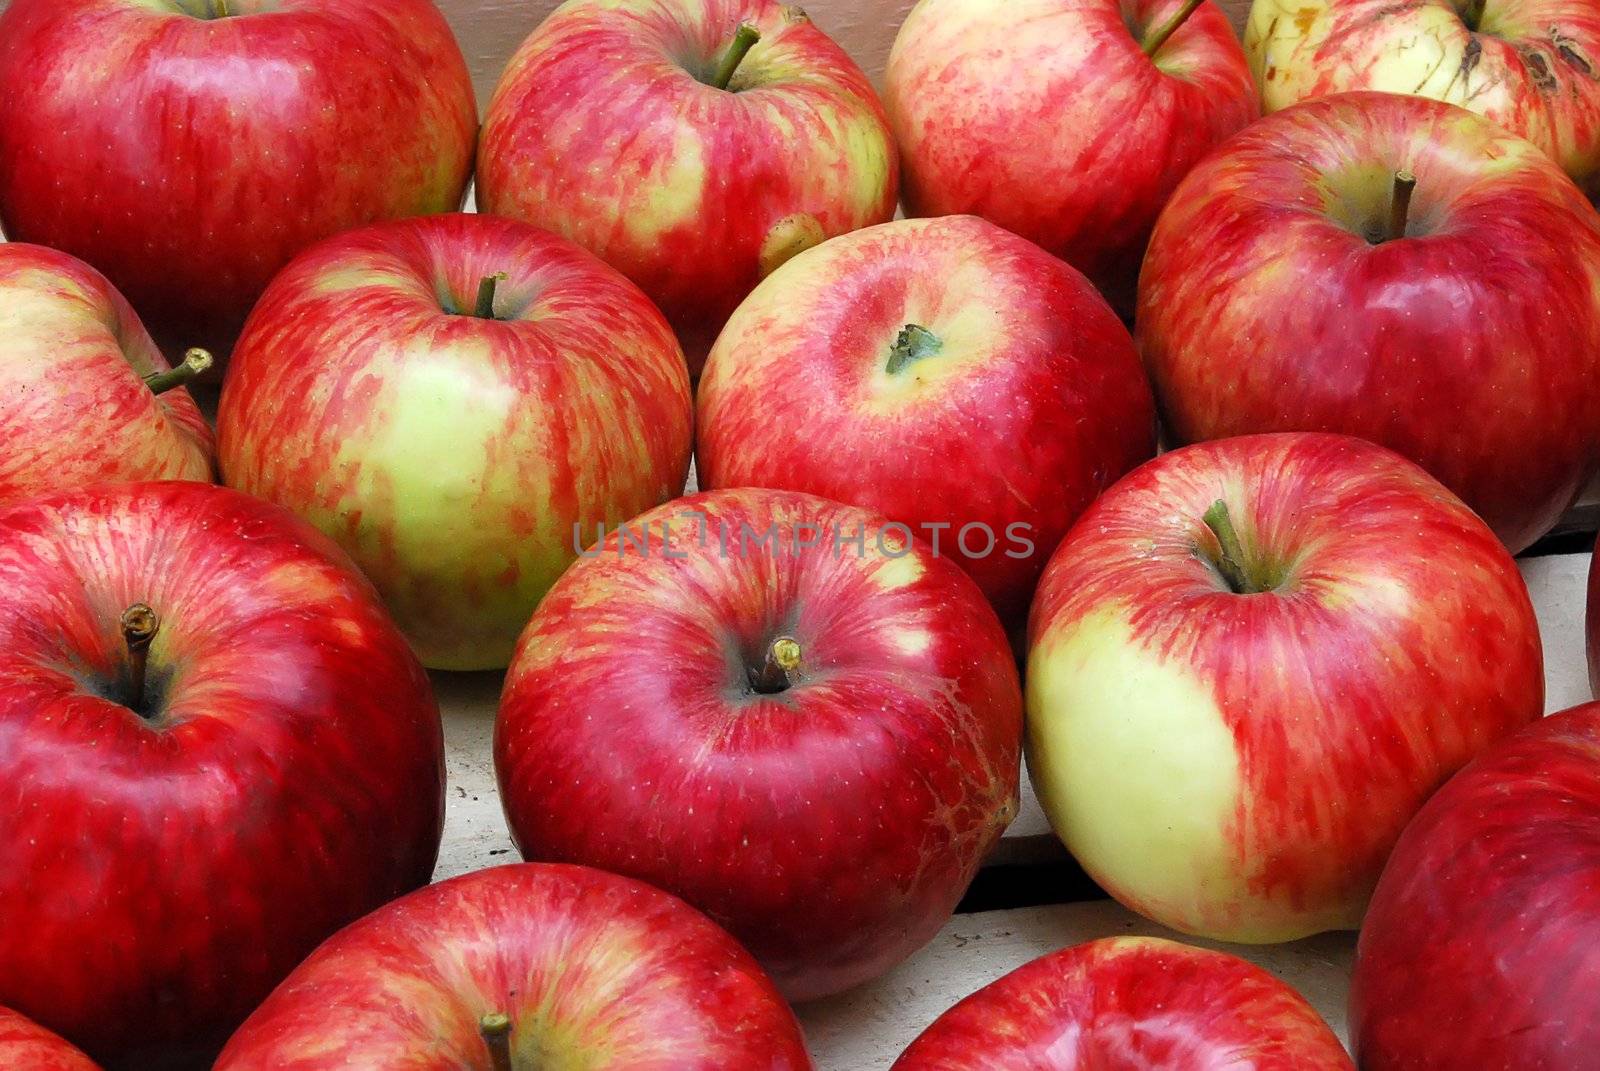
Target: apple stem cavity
<point>1400,204</point>
<point>1230,562</point>
<point>483,308</point>
<point>775,674</point>
<point>139,627</point>
<point>915,343</point>
<point>195,361</point>
<point>496,1030</point>
<point>1153,43</point>
<point>744,39</point>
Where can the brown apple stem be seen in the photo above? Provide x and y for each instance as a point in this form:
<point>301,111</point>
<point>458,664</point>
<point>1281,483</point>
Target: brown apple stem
<point>1400,204</point>
<point>1153,43</point>
<point>139,627</point>
<point>744,39</point>
<point>1230,562</point>
<point>774,676</point>
<point>483,308</point>
<point>496,1030</point>
<point>195,361</point>
<point>915,343</point>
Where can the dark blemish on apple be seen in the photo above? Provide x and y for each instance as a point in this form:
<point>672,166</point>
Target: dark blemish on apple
<point>1470,58</point>
<point>1565,48</point>
<point>1538,69</point>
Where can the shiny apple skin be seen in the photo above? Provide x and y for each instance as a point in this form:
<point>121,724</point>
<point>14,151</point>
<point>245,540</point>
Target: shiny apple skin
<point>1530,66</point>
<point>1472,346</point>
<point>71,356</point>
<point>832,827</point>
<point>189,158</point>
<point>594,970</point>
<point>1239,766</point>
<point>1482,948</point>
<point>1130,1004</point>
<point>1592,622</point>
<point>1046,117</point>
<point>1034,405</point>
<point>601,131</point>
<point>163,875</point>
<point>27,1046</point>
<point>451,456</point>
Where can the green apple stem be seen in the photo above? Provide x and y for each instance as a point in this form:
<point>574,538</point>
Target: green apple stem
<point>195,361</point>
<point>496,1030</point>
<point>483,308</point>
<point>1153,43</point>
<point>783,658</point>
<point>1400,204</point>
<point>220,8</point>
<point>139,627</point>
<point>1473,15</point>
<point>1230,563</point>
<point>744,39</point>
<point>915,343</point>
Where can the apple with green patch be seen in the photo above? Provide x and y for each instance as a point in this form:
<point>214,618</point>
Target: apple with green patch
<point>1250,664</point>
<point>457,400</point>
<point>693,144</point>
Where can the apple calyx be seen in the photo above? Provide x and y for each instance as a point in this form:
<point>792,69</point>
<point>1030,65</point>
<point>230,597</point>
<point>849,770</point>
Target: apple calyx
<point>195,361</point>
<point>1230,561</point>
<point>483,307</point>
<point>496,1030</point>
<point>139,627</point>
<point>1400,204</point>
<point>1152,44</point>
<point>915,343</point>
<point>776,672</point>
<point>744,39</point>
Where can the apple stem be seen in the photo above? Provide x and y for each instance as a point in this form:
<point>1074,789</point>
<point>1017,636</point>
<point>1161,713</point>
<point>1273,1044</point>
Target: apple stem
<point>496,1030</point>
<point>744,39</point>
<point>1473,15</point>
<point>483,308</point>
<point>195,361</point>
<point>1231,561</point>
<point>1400,204</point>
<point>915,343</point>
<point>221,8</point>
<point>139,627</point>
<point>1153,43</point>
<point>783,658</point>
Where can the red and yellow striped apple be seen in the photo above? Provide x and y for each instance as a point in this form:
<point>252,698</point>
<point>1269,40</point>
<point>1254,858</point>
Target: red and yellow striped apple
<point>1532,66</point>
<point>89,398</point>
<point>1252,661</point>
<point>525,967</point>
<point>1392,268</point>
<point>1482,947</point>
<point>1130,1002</point>
<point>215,750</point>
<point>189,148</point>
<point>27,1046</point>
<point>456,451</point>
<point>1067,121</point>
<point>694,144</point>
<point>822,725</point>
<point>944,373</point>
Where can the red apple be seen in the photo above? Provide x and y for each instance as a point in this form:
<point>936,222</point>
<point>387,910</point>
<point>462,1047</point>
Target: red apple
<point>456,456</point>
<point>89,398</point>
<point>1392,268</point>
<point>1252,661</point>
<point>1532,66</point>
<point>524,967</point>
<point>652,133</point>
<point>189,148</point>
<point>1130,1003</point>
<point>1592,622</point>
<point>944,373</point>
<point>1482,947</point>
<point>821,723</point>
<point>1067,121</point>
<point>27,1046</point>
<point>215,750</point>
